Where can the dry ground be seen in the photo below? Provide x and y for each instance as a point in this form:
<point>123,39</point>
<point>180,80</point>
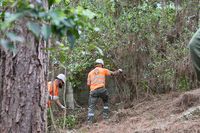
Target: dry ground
<point>161,114</point>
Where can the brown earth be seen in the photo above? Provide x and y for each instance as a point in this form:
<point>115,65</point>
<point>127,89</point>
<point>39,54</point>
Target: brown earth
<point>160,114</point>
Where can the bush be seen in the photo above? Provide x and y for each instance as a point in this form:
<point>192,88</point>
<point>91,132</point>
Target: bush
<point>67,122</point>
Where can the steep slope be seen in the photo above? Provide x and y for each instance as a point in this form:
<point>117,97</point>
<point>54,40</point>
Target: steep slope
<point>170,113</point>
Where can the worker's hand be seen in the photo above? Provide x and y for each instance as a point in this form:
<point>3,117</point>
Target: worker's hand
<point>62,107</point>
<point>116,72</point>
<point>120,70</point>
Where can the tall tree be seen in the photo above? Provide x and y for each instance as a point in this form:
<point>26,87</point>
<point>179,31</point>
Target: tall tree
<point>23,78</point>
<point>26,27</point>
<point>23,88</point>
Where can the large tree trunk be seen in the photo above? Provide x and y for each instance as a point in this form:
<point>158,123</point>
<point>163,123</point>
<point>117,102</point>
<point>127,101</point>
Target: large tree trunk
<point>23,87</point>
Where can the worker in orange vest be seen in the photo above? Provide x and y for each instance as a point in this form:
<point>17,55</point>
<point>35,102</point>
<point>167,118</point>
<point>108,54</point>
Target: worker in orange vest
<point>53,89</point>
<point>96,83</point>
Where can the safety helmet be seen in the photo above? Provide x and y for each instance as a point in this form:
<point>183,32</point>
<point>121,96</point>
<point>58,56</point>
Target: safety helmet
<point>99,61</point>
<point>61,77</point>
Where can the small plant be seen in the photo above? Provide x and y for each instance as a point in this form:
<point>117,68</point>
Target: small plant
<point>183,83</point>
<point>67,122</point>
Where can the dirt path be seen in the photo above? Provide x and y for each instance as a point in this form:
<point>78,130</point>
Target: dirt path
<point>161,114</point>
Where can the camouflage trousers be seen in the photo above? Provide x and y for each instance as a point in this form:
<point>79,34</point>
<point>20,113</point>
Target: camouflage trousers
<point>94,96</point>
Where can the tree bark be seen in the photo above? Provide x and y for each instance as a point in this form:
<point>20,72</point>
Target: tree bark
<point>23,87</point>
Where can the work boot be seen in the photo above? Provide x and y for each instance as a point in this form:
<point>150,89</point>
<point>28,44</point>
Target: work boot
<point>90,120</point>
<point>105,112</point>
<point>105,116</point>
<point>89,123</point>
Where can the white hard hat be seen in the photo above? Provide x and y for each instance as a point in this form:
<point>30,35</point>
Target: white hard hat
<point>99,61</point>
<point>61,77</point>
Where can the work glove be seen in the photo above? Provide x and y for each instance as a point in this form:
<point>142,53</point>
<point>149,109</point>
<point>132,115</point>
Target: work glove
<point>120,70</point>
<point>62,107</point>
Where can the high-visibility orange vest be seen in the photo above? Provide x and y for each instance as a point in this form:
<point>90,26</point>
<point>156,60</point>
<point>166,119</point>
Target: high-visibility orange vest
<point>53,90</point>
<point>96,78</point>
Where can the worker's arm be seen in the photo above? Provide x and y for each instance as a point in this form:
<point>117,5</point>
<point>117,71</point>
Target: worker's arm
<point>56,99</point>
<point>59,104</point>
<point>116,72</point>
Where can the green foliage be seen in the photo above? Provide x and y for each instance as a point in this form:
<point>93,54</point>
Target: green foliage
<point>67,122</point>
<point>34,28</point>
<point>144,85</point>
<point>183,83</point>
<point>52,2</point>
<point>132,36</point>
<point>46,31</point>
<point>42,23</point>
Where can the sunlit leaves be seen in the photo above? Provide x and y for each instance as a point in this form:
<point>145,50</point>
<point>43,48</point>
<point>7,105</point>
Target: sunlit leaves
<point>67,1</point>
<point>85,12</point>
<point>46,31</point>
<point>5,3</point>
<point>88,14</point>
<point>34,28</point>
<point>52,2</point>
<point>57,16</point>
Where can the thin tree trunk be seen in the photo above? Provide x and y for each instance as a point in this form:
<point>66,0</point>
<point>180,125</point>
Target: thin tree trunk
<point>70,96</point>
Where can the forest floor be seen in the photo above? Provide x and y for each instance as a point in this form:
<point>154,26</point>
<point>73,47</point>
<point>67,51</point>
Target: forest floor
<point>167,113</point>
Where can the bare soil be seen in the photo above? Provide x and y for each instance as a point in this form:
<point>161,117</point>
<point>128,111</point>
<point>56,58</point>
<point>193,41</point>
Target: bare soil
<point>160,114</point>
